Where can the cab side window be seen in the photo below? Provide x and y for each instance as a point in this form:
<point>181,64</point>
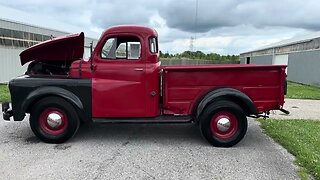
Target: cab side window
<point>122,47</point>
<point>153,45</point>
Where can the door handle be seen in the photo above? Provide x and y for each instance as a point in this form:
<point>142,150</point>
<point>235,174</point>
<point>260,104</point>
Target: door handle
<point>138,69</point>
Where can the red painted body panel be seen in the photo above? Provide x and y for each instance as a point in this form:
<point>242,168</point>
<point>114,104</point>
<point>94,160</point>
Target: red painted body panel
<point>120,91</point>
<point>184,85</point>
<point>83,72</point>
<point>153,85</point>
<point>65,48</point>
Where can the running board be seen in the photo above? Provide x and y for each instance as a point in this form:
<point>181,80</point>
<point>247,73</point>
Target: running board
<point>154,120</point>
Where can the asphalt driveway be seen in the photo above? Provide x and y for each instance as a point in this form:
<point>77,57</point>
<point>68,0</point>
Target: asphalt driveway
<point>125,151</point>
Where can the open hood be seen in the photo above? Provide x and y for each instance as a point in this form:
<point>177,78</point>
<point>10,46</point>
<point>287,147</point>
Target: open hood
<point>65,48</point>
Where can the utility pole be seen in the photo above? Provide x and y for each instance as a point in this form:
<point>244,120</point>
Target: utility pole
<point>191,44</point>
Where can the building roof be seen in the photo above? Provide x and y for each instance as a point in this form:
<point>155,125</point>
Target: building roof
<point>294,40</point>
<point>24,18</point>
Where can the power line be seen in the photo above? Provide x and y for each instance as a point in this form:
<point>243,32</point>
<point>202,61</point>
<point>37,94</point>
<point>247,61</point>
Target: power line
<point>196,21</point>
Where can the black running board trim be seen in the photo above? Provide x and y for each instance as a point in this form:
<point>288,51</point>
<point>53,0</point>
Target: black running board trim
<point>155,120</point>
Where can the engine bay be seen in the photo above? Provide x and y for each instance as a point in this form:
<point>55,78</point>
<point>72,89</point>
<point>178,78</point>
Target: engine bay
<point>54,68</point>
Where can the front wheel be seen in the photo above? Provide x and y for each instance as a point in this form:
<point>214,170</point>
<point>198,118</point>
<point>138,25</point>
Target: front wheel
<point>223,124</point>
<point>54,120</point>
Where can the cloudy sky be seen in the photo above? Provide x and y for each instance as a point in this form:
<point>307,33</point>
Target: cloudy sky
<point>221,26</point>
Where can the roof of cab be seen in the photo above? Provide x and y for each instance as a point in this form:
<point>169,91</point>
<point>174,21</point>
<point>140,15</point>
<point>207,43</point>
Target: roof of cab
<point>131,29</point>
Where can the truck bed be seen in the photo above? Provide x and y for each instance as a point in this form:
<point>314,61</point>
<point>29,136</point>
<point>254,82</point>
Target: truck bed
<point>184,85</point>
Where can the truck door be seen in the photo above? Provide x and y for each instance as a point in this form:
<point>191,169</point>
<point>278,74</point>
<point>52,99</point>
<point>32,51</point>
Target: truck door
<point>118,79</point>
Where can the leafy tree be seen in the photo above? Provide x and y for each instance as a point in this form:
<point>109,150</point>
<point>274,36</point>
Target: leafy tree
<point>200,55</point>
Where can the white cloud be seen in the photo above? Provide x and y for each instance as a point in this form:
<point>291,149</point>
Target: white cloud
<point>226,27</point>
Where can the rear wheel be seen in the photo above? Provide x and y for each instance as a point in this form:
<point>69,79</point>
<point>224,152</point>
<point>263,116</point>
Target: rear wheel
<point>54,120</point>
<point>223,124</point>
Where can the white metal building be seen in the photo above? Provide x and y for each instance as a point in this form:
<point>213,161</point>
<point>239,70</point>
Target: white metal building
<point>301,54</point>
<point>17,36</point>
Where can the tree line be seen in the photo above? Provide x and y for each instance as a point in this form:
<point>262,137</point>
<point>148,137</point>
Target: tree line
<point>199,55</point>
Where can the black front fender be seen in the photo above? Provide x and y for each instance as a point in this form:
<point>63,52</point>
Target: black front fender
<point>43,92</point>
<point>26,91</point>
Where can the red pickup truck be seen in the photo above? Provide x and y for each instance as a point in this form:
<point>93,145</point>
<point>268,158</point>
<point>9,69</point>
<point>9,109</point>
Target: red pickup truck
<point>123,82</point>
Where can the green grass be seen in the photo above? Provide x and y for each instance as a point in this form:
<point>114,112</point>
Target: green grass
<point>300,91</point>
<point>4,93</point>
<point>301,138</point>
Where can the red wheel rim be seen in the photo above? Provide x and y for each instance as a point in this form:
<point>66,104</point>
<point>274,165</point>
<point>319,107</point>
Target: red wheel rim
<point>53,121</point>
<point>224,125</point>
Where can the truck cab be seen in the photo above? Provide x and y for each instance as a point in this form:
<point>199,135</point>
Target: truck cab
<point>123,81</point>
<point>126,73</point>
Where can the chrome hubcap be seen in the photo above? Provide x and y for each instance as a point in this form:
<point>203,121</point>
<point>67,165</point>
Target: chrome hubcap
<point>54,120</point>
<point>223,124</point>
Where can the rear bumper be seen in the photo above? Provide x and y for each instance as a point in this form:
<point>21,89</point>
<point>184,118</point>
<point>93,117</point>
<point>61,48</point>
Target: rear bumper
<point>7,113</point>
